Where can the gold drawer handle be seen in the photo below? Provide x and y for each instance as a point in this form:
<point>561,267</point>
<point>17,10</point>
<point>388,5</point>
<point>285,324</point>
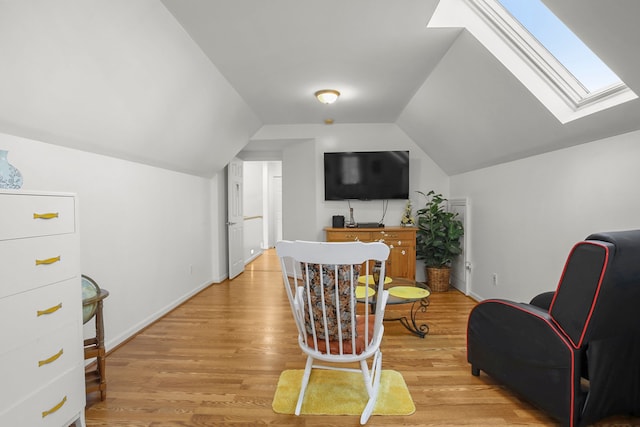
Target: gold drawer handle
<point>55,408</point>
<point>50,359</point>
<point>49,310</point>
<point>48,260</point>
<point>49,215</point>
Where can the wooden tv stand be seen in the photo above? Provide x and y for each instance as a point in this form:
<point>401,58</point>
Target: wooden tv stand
<point>401,241</point>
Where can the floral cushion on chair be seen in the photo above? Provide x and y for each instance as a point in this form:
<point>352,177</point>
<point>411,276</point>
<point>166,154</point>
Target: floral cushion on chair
<point>345,299</point>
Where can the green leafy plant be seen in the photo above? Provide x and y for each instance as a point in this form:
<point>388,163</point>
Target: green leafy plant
<point>439,232</point>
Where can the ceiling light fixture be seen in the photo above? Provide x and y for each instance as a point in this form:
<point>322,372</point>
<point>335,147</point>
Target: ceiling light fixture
<point>327,96</point>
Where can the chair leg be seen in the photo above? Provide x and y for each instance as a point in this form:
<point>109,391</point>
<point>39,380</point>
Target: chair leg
<point>372,381</point>
<point>305,382</point>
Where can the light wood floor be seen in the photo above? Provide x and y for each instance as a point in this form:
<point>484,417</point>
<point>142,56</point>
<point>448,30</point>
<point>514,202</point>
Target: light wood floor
<point>216,360</point>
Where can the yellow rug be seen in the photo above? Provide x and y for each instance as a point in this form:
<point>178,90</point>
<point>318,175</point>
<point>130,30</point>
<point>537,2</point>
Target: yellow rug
<point>341,393</point>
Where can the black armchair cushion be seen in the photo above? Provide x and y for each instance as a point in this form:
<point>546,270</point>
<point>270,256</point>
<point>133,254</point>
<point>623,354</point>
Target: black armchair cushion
<point>580,284</point>
<point>543,300</point>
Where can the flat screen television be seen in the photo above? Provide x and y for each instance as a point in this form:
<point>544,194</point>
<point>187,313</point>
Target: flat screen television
<point>366,175</point>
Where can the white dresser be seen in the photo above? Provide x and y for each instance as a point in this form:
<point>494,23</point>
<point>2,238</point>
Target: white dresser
<point>41,342</point>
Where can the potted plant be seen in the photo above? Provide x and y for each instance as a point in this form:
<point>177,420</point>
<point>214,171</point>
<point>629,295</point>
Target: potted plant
<point>437,240</point>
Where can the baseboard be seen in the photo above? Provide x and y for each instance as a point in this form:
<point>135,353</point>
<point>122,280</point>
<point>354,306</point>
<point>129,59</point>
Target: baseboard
<point>221,279</point>
<point>252,257</point>
<point>125,336</point>
<point>475,296</point>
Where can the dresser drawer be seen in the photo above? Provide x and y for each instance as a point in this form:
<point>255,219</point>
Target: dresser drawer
<point>349,236</point>
<point>397,238</point>
<point>56,404</point>
<point>28,315</point>
<point>39,362</point>
<point>23,215</point>
<point>31,263</point>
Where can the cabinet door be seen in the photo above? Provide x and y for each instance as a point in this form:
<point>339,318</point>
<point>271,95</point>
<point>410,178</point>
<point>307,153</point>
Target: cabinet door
<point>398,264</point>
<point>402,258</point>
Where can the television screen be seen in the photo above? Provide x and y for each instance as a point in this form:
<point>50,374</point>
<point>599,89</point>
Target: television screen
<point>369,175</point>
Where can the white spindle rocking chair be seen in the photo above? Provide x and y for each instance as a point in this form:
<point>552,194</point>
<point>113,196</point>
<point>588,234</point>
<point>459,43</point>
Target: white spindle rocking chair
<point>321,281</point>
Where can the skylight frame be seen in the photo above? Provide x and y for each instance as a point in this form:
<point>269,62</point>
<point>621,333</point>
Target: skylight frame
<point>565,84</point>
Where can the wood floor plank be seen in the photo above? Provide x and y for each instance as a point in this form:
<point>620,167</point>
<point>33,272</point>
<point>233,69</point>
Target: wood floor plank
<point>216,360</point>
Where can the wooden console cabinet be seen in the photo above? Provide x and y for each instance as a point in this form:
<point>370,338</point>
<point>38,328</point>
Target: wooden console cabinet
<point>401,241</point>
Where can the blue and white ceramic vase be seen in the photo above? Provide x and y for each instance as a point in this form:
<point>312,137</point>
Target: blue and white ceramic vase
<point>10,177</point>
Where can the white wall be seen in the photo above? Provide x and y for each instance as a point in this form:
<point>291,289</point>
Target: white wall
<point>299,196</point>
<point>145,232</point>
<point>120,78</point>
<point>526,215</point>
<point>218,220</point>
<point>272,203</point>
<point>253,209</point>
<point>305,210</point>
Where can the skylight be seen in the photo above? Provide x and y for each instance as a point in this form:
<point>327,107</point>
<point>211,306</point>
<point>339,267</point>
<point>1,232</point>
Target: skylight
<point>542,52</point>
<point>562,43</point>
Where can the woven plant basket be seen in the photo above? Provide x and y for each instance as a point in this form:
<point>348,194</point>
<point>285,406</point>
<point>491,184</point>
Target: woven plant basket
<point>438,278</point>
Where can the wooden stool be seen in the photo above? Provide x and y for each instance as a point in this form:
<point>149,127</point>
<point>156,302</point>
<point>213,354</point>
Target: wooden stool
<point>95,379</point>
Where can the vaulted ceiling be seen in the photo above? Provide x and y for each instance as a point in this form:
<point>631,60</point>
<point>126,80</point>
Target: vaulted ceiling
<point>441,86</point>
<point>126,79</point>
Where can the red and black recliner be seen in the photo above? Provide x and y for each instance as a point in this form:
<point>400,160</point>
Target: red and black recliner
<point>575,352</point>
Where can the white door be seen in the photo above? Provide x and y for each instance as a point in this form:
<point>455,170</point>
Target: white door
<point>461,266</point>
<point>235,221</point>
<point>277,207</point>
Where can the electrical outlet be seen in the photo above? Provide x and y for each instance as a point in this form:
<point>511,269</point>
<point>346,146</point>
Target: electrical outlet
<point>495,279</point>
<point>190,268</point>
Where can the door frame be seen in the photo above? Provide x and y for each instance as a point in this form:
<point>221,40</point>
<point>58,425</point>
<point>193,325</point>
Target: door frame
<point>466,242</point>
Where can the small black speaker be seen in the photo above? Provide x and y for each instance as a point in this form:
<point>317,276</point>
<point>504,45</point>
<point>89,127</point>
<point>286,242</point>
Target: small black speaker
<point>338,221</point>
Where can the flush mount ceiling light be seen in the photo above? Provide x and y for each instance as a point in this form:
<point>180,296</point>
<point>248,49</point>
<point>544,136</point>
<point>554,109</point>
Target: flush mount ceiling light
<point>327,96</point>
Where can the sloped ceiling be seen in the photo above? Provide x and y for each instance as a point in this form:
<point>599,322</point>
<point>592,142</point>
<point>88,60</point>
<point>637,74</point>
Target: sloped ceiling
<point>185,84</point>
<point>119,78</point>
<point>471,112</point>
